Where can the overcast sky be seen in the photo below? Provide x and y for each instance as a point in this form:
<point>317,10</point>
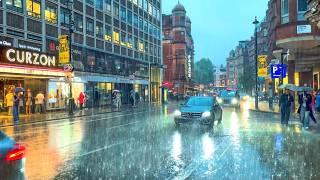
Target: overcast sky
<point>218,25</point>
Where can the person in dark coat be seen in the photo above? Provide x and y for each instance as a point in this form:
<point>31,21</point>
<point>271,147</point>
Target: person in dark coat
<point>305,109</point>
<point>285,103</point>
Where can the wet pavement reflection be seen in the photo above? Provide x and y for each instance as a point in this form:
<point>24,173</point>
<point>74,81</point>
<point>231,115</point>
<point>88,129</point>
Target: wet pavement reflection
<point>144,144</point>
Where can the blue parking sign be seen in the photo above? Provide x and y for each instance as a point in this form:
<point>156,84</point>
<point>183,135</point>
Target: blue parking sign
<point>278,70</point>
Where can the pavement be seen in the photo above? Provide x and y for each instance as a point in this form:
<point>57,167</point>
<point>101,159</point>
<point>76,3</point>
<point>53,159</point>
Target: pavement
<point>6,120</point>
<point>144,144</point>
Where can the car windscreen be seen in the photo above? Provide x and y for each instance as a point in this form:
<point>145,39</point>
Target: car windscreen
<point>200,102</point>
<point>228,93</point>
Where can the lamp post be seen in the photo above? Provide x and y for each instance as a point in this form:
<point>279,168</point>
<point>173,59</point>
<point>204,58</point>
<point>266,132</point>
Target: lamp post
<point>256,22</point>
<point>71,26</point>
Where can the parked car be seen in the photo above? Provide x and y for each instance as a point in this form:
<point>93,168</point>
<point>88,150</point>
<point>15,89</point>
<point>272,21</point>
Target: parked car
<point>199,109</point>
<point>229,97</point>
<point>12,158</point>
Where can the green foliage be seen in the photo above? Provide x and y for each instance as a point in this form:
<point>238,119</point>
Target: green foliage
<point>204,71</point>
<point>247,80</point>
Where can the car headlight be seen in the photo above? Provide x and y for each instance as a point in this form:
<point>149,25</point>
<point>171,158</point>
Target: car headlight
<point>234,101</point>
<point>219,100</point>
<point>206,114</point>
<point>177,113</point>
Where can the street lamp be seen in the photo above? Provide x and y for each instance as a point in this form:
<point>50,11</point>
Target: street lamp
<point>71,28</point>
<point>256,22</point>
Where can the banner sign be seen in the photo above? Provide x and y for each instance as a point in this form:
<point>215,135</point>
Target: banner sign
<point>19,56</point>
<point>278,71</point>
<point>64,55</point>
<point>262,66</point>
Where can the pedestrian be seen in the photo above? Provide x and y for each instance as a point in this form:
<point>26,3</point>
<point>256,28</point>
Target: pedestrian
<point>40,102</point>
<point>21,102</point>
<point>9,101</point>
<point>81,99</point>
<point>118,100</point>
<point>285,103</point>
<point>137,98</point>
<point>16,100</point>
<point>318,101</point>
<point>305,108</point>
<point>1,101</point>
<point>29,102</point>
<point>132,98</point>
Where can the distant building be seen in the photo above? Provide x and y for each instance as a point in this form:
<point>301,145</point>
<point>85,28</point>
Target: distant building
<point>220,76</point>
<point>178,50</point>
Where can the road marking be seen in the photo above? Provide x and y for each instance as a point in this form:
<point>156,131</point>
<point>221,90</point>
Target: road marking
<point>104,148</point>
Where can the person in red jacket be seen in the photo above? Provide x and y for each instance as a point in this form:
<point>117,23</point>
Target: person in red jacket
<point>81,99</point>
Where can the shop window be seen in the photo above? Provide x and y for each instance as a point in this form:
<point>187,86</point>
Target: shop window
<point>34,8</point>
<point>51,13</point>
<point>302,8</point>
<point>15,5</point>
<point>123,14</point>
<point>284,11</point>
<point>116,37</point>
<point>108,34</point>
<point>64,17</point>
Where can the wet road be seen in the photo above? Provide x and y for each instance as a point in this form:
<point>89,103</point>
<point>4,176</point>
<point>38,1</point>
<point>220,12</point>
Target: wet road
<point>145,145</point>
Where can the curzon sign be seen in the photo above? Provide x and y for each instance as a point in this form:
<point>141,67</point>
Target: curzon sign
<point>27,57</point>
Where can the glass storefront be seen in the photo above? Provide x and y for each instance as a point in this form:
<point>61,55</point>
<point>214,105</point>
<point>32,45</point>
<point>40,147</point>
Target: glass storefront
<point>99,94</point>
<point>57,95</point>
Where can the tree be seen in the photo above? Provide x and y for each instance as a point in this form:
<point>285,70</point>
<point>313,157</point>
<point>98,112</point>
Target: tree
<point>204,71</point>
<point>247,80</point>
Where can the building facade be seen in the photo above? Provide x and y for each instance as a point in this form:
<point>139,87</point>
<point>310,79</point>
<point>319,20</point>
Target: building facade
<point>220,76</point>
<point>116,45</point>
<point>178,50</point>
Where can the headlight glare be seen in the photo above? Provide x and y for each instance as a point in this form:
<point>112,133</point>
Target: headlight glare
<point>177,113</point>
<point>234,101</point>
<point>206,114</point>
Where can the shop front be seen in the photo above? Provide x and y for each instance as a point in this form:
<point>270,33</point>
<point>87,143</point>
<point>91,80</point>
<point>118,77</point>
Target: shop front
<point>30,70</point>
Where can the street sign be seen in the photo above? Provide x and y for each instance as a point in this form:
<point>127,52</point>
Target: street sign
<point>64,54</point>
<point>278,71</point>
<point>262,66</point>
<point>131,77</point>
<point>68,68</point>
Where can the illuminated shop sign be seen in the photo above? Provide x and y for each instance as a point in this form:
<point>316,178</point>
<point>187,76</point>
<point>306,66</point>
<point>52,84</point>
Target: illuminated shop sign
<point>26,57</point>
<point>189,67</point>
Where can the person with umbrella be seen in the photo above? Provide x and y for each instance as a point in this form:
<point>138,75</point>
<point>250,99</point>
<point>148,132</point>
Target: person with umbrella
<point>305,109</point>
<point>285,103</point>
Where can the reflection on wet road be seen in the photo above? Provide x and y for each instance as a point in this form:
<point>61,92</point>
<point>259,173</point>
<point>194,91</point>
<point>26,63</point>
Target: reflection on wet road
<point>146,145</point>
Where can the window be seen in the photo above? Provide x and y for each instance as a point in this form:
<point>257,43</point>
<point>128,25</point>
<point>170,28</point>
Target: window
<point>145,27</point>
<point>135,2</point>
<point>129,43</point>
<point>284,11</point>
<point>107,6</point>
<point>64,17</point>
<point>141,46</point>
<point>140,4</point>
<point>116,10</point>
<point>51,13</point>
<point>145,5</point>
<point>15,5</point>
<point>136,44</point>
<point>129,17</point>
<point>140,23</point>
<point>34,8</point>
<point>302,8</point>
<point>123,39</point>
<point>108,34</point>
<point>78,22</point>
<point>116,37</point>
<point>89,2</point>
<point>150,8</point>
<point>90,27</point>
<point>123,14</point>
<point>135,21</point>
<point>99,4</point>
<point>99,30</point>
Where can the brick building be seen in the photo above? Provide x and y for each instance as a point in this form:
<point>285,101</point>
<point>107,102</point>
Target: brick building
<point>178,50</point>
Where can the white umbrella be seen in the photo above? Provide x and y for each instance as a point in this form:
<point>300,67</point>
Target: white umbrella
<point>291,87</point>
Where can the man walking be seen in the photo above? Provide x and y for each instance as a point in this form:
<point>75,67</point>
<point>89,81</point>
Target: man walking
<point>285,103</point>
<point>305,109</point>
<point>16,103</point>
<point>40,102</point>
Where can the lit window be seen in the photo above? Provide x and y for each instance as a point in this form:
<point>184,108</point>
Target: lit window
<point>123,39</point>
<point>99,30</point>
<point>284,11</point>
<point>51,13</point>
<point>34,8</point>
<point>141,47</point>
<point>129,43</point>
<point>116,37</point>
